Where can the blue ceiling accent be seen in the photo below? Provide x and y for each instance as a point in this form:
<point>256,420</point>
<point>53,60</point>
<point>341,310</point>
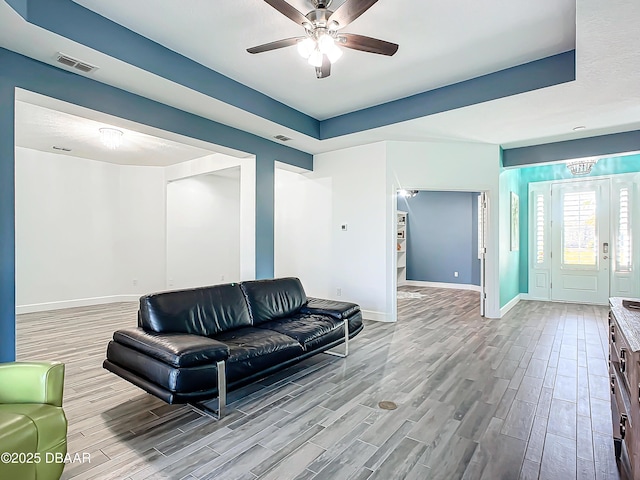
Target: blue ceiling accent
<point>70,20</point>
<point>612,144</point>
<point>67,18</point>
<point>531,76</point>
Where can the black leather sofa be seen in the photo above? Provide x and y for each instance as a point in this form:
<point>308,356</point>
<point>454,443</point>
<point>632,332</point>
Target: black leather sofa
<point>195,345</point>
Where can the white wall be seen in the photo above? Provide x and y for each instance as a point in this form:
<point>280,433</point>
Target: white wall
<point>304,247</point>
<point>346,187</point>
<point>357,186</point>
<point>85,231</point>
<point>449,166</point>
<point>203,230</point>
<point>247,215</point>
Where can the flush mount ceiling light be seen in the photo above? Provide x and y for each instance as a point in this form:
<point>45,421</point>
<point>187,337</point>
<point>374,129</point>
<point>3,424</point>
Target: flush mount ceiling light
<point>407,193</point>
<point>582,166</point>
<point>321,44</point>
<point>111,137</point>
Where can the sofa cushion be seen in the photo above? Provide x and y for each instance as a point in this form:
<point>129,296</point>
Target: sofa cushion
<point>339,310</point>
<point>50,422</point>
<point>311,331</point>
<point>254,349</point>
<point>200,311</point>
<point>272,299</point>
<point>186,379</point>
<point>177,349</point>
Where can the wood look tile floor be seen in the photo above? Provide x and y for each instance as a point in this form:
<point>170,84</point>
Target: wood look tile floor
<point>522,397</point>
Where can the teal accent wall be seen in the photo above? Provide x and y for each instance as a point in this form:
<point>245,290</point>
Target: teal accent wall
<point>509,260</point>
<point>559,171</point>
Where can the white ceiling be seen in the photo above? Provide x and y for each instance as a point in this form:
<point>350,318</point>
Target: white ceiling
<point>440,42</point>
<point>42,128</point>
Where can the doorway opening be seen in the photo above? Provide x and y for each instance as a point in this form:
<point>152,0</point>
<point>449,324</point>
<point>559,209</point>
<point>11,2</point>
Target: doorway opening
<point>440,243</point>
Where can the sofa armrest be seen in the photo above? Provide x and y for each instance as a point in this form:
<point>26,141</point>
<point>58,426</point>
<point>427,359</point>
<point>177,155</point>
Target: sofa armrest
<point>335,309</point>
<point>32,382</point>
<point>177,349</point>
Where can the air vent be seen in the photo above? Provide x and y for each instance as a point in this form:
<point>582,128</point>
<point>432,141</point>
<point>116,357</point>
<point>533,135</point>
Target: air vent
<point>74,63</point>
<point>282,138</point>
<point>62,149</point>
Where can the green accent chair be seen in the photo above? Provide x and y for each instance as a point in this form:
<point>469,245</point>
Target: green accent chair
<point>33,427</point>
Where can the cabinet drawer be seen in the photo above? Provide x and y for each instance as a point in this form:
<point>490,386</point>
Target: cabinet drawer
<point>622,355</point>
<point>623,421</point>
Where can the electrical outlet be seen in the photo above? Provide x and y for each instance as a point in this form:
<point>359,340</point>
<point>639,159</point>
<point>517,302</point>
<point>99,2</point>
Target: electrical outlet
<point>222,277</point>
<point>339,292</point>
<point>455,274</point>
<point>135,282</point>
<point>344,227</point>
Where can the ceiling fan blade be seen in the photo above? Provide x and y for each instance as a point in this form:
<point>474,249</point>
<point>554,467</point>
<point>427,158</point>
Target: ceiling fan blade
<point>288,11</point>
<point>368,44</point>
<point>350,10</point>
<point>325,70</point>
<point>287,42</point>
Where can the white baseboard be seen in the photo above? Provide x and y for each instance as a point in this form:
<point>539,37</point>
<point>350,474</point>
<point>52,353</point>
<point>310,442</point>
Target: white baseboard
<point>80,302</point>
<point>376,316</point>
<point>528,296</point>
<point>514,301</point>
<point>456,286</point>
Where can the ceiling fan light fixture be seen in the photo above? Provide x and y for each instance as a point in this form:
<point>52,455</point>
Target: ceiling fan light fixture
<point>315,59</point>
<point>306,47</point>
<point>326,43</point>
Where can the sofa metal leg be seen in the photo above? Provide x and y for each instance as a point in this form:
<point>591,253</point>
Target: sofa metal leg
<point>200,407</point>
<point>346,342</point>
<point>222,389</point>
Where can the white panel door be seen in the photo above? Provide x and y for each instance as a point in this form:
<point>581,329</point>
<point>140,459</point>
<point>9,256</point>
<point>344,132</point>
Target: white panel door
<point>580,241</point>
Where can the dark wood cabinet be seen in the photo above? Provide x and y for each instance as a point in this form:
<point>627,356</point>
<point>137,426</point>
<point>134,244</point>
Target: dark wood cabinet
<point>624,372</point>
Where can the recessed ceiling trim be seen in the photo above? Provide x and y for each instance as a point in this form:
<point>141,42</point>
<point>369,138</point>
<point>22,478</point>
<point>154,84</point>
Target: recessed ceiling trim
<point>546,72</point>
<point>63,16</point>
<point>603,145</point>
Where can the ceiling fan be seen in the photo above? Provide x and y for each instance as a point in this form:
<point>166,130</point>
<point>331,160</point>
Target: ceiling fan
<point>322,41</point>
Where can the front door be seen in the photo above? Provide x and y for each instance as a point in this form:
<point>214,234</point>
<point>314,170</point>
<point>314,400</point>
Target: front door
<point>580,241</point>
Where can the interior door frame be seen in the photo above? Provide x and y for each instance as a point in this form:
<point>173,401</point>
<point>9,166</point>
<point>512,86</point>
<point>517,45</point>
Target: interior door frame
<point>485,198</point>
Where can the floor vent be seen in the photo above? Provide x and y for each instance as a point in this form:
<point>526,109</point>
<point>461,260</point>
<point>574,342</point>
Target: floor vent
<point>387,405</point>
<point>282,138</point>
<point>73,63</point>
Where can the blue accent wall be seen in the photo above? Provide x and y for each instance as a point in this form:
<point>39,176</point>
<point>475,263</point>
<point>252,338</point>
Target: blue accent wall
<point>441,227</point>
<point>19,71</point>
<point>543,173</point>
<point>7,224</point>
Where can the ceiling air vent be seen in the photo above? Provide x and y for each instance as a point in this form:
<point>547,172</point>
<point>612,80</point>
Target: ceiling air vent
<point>282,138</point>
<point>74,63</point>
